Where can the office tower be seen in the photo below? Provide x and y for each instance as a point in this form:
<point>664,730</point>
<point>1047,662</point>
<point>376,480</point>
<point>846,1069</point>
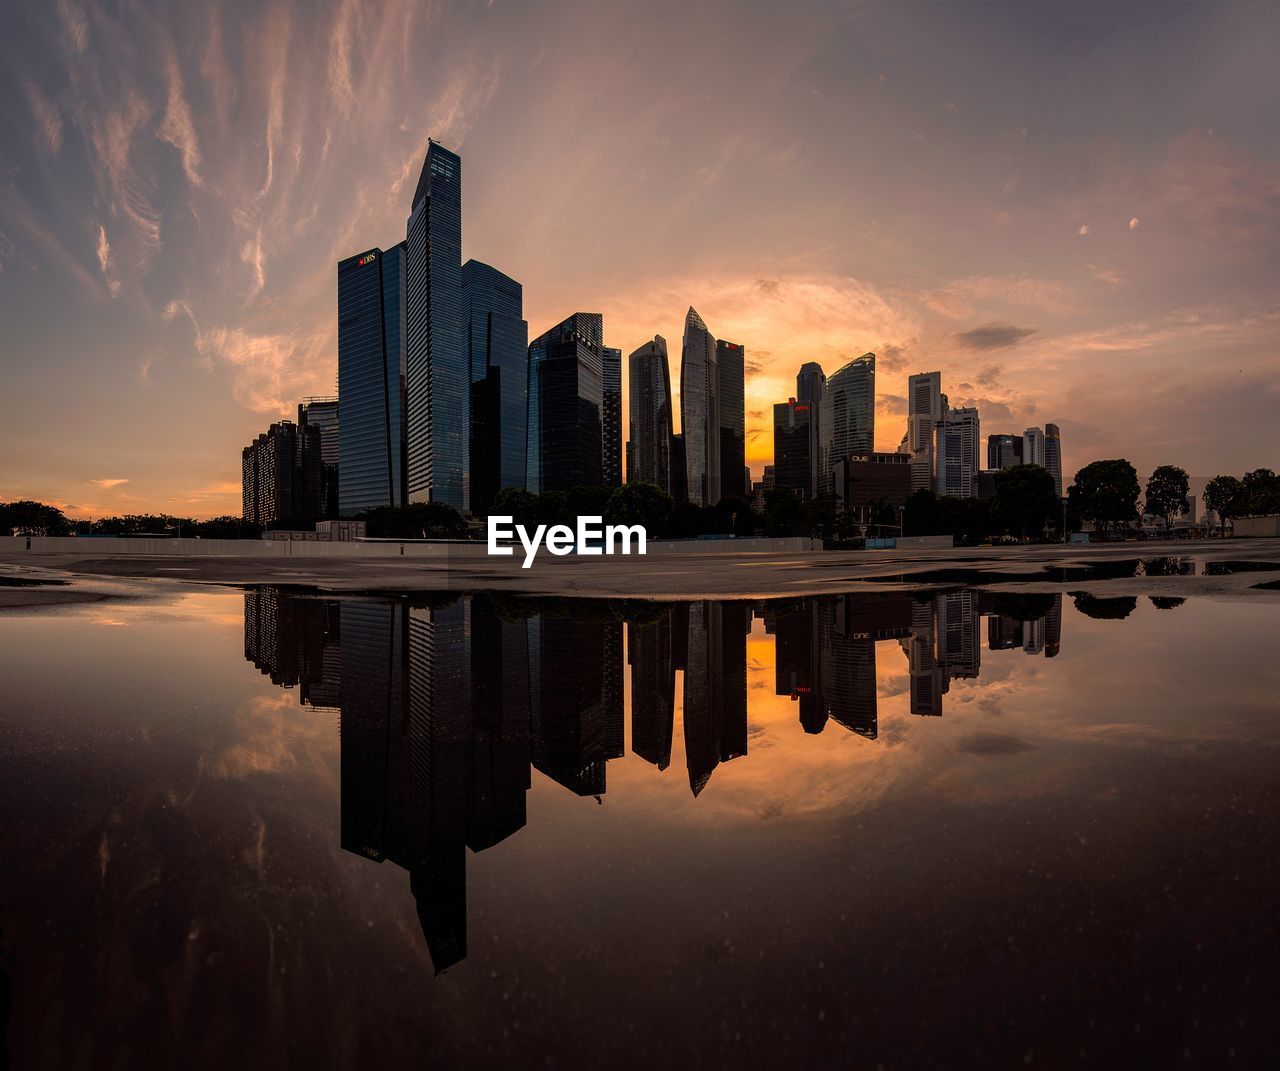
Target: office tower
<point>649,448</point>
<point>792,467</point>
<point>438,405</point>
<point>1033,636</point>
<point>731,386</point>
<point>847,668</point>
<point>679,472</point>
<point>566,403</point>
<point>1053,455</point>
<point>497,344</point>
<point>1053,627</point>
<point>810,381</point>
<point>1004,451</point>
<point>768,477</point>
<point>865,483</point>
<point>611,417</point>
<point>277,491</point>
<point>715,688</point>
<point>1033,450</point>
<point>794,626</point>
<point>957,624</point>
<point>653,689</point>
<point>700,411</point>
<point>295,641</point>
<point>929,681</point>
<point>372,380</point>
<point>847,416</point>
<point>924,410</point>
<point>956,452</point>
<point>322,414</point>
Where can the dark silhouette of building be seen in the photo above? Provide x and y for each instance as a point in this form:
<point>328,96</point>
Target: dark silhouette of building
<point>867,482</point>
<point>847,416</point>
<point>653,688</point>
<point>438,380</point>
<point>372,371</point>
<point>792,444</point>
<point>281,476</point>
<point>731,373</point>
<point>1053,454</point>
<point>811,384</point>
<point>322,414</point>
<point>497,344</point>
<point>611,417</point>
<point>679,470</point>
<point>1004,451</point>
<point>566,405</point>
<point>649,447</point>
<point>700,411</point>
<point>715,688</point>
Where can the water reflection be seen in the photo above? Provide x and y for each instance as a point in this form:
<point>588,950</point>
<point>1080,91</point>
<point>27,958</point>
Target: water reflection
<point>445,708</point>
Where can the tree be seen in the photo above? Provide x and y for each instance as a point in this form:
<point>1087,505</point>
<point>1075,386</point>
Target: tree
<point>641,503</point>
<point>1225,496</point>
<point>1026,500</point>
<point>32,518</point>
<point>1167,493</point>
<point>786,513</point>
<point>227,528</point>
<point>518,504</point>
<point>1261,492</point>
<point>1106,493</point>
<point>419,520</point>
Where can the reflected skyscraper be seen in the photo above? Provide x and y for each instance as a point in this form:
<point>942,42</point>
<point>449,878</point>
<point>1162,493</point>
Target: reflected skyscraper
<point>653,688</point>
<point>715,696</point>
<point>731,373</point>
<point>649,448</point>
<point>566,405</point>
<point>497,343</point>
<point>700,411</point>
<point>438,391</point>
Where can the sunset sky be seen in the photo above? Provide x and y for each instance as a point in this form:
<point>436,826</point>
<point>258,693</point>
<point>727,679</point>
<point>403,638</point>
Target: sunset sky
<point>1072,211</point>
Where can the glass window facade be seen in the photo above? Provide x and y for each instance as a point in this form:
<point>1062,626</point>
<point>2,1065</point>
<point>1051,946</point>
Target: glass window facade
<point>700,411</point>
<point>438,394</point>
<point>649,449</point>
<point>611,417</point>
<point>731,371</point>
<point>847,424</point>
<point>371,381</point>
<point>566,403</point>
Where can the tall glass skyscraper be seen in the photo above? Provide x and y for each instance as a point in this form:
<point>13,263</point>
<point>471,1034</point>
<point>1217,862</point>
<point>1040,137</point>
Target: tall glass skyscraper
<point>649,449</point>
<point>1053,454</point>
<point>497,342</point>
<point>957,453</point>
<point>731,373</point>
<point>566,404</point>
<point>611,418</point>
<point>1033,449</point>
<point>700,411</point>
<point>847,415</point>
<point>792,465</point>
<point>371,381</point>
<point>438,375</point>
<point>924,410</point>
<point>322,414</point>
<point>811,382</point>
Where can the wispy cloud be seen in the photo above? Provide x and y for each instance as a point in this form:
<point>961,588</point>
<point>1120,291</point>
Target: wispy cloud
<point>178,129</point>
<point>993,336</point>
<point>107,483</point>
<point>47,118</point>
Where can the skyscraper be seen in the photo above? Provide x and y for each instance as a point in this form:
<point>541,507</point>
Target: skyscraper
<point>847,416</point>
<point>566,403</point>
<point>731,372</point>
<point>811,382</point>
<point>792,445</point>
<point>924,410</point>
<point>1033,450</point>
<point>649,448</point>
<point>438,377</point>
<point>497,343</point>
<point>611,418</point>
<point>700,411</point>
<point>322,414</point>
<point>957,452</point>
<point>280,478</point>
<point>1053,454</point>
<point>1004,451</point>
<point>372,451</point>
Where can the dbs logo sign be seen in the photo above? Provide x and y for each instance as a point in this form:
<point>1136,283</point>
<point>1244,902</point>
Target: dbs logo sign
<point>368,258</point>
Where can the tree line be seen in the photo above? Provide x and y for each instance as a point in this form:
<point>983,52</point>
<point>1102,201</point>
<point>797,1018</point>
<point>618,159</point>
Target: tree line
<point>38,518</point>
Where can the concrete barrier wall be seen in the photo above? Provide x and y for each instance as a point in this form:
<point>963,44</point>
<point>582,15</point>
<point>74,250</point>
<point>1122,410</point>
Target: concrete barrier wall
<point>789,545</point>
<point>232,548</point>
<point>925,541</point>
<point>1256,527</point>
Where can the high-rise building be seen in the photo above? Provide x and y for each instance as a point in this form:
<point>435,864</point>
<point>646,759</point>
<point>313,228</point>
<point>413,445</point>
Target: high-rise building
<point>847,417</point>
<point>700,411</point>
<point>731,370</point>
<point>497,343</point>
<point>653,689</point>
<point>322,414</point>
<point>792,466</point>
<point>372,371</point>
<point>649,448</point>
<point>1033,448</point>
<point>1004,451</point>
<point>811,382</point>
<point>566,403</point>
<point>924,410</point>
<point>277,491</point>
<point>611,417</point>
<point>1053,454</point>
<point>438,406</point>
<point>957,452</point>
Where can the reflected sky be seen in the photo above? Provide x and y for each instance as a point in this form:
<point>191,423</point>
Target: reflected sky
<point>471,830</point>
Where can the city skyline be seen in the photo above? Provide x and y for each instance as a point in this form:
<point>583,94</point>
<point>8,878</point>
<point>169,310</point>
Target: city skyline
<point>180,191</point>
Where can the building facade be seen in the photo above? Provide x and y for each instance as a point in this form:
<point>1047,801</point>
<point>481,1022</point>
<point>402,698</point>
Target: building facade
<point>281,477</point>
<point>700,411</point>
<point>924,410</point>
<point>957,452</point>
<point>566,406</point>
<point>611,417</point>
<point>438,380</point>
<point>372,454</point>
<point>1004,451</point>
<point>322,414</point>
<point>1033,449</point>
<point>731,372</point>
<point>867,482</point>
<point>811,383</point>
<point>497,343</point>
<point>1053,454</point>
<point>649,448</point>
<point>847,416</point>
<point>792,466</point>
